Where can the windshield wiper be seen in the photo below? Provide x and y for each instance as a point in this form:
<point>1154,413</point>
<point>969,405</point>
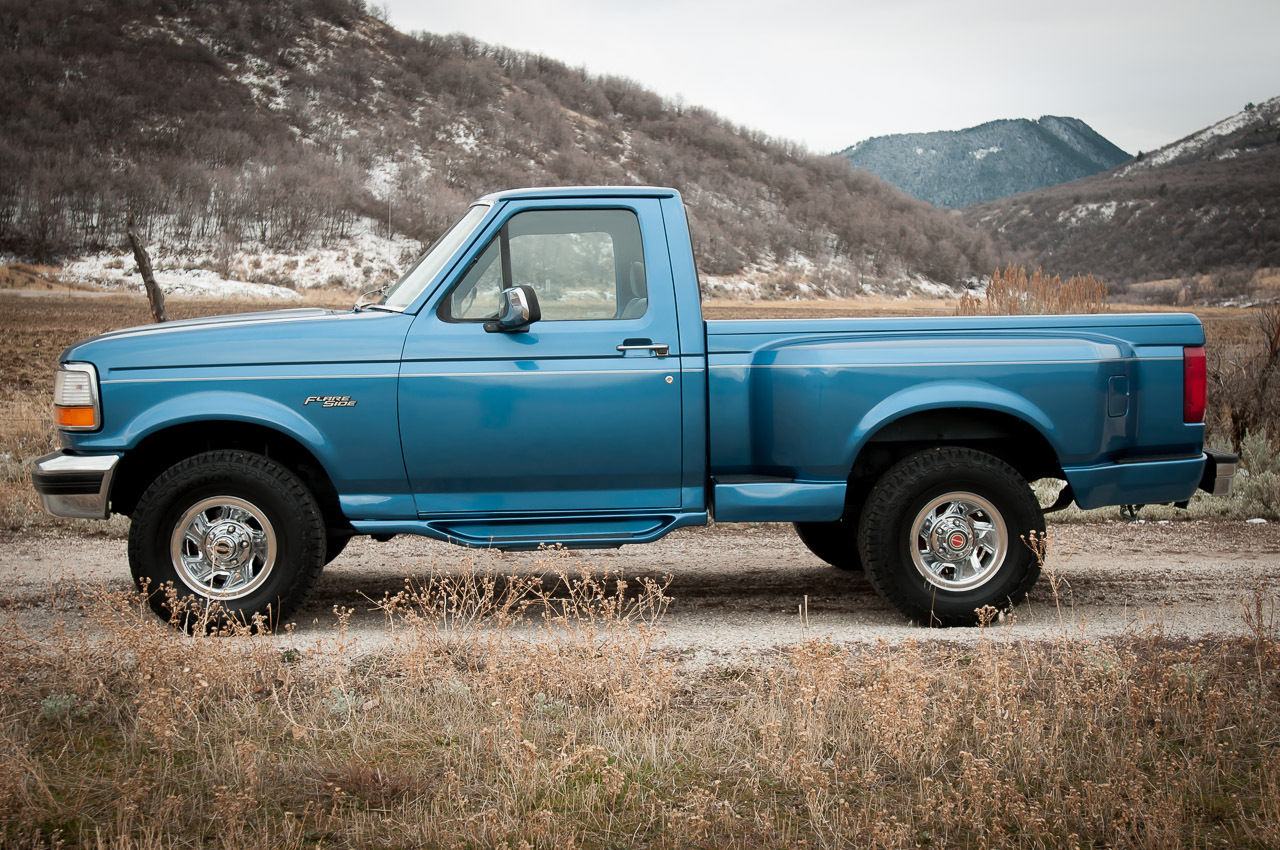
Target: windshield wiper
<point>361,303</point>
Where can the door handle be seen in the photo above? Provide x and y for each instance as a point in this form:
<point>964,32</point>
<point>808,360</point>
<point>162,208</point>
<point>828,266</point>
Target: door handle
<point>658,348</point>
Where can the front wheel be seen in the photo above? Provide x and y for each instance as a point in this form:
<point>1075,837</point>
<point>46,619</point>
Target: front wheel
<point>227,528</point>
<point>944,533</point>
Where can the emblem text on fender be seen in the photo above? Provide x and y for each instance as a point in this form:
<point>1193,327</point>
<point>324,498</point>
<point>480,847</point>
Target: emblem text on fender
<point>330,400</point>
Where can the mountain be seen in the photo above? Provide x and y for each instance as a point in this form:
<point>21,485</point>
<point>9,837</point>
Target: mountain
<point>993,160</point>
<point>304,142</point>
<point>1207,204</point>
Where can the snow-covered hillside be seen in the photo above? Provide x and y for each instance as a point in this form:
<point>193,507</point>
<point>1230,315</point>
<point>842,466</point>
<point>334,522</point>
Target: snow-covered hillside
<point>302,142</point>
<point>1213,141</point>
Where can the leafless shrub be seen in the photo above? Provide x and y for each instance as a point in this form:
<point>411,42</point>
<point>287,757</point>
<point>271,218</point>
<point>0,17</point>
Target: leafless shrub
<point>1244,381</point>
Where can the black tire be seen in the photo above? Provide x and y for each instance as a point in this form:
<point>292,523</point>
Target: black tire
<point>261,533</point>
<point>834,542</point>
<point>965,497</point>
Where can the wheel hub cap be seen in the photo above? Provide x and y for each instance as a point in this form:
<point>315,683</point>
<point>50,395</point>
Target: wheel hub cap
<point>952,539</point>
<point>958,541</point>
<point>223,548</point>
<point>228,544</point>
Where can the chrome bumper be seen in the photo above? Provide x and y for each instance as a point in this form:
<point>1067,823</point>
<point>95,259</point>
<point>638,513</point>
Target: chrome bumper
<point>1219,472</point>
<point>75,485</point>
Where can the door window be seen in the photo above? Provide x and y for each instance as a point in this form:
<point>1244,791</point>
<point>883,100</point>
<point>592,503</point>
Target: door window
<point>583,264</point>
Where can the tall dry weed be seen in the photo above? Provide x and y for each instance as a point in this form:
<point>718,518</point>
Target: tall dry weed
<point>26,433</point>
<point>1013,291</point>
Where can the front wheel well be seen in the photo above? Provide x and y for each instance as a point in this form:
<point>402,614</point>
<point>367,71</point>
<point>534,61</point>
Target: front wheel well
<point>1003,435</point>
<point>162,449</point>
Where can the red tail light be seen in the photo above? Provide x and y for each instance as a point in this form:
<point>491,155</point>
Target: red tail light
<point>1194,383</point>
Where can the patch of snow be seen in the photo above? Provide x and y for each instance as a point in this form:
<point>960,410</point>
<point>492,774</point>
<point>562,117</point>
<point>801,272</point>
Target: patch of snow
<point>932,288</point>
<point>1256,521</point>
<point>463,135</point>
<point>107,271</point>
<point>364,259</point>
<point>983,153</point>
<point>1231,153</point>
<point>804,277</point>
<point>1104,212</point>
<point>264,82</point>
<point>387,176</point>
<point>1197,142</point>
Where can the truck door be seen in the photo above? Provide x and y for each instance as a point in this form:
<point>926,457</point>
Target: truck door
<point>581,412</point>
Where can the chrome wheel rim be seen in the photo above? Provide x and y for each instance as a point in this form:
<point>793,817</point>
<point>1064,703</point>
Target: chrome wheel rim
<point>223,548</point>
<point>958,541</point>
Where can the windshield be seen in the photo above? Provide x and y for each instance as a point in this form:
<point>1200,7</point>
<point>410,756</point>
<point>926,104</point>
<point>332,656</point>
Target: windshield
<point>402,293</point>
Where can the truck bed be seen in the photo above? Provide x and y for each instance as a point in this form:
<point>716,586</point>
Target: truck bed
<point>797,400</point>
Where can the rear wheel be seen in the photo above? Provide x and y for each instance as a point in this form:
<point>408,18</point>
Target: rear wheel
<point>944,534</point>
<point>227,528</point>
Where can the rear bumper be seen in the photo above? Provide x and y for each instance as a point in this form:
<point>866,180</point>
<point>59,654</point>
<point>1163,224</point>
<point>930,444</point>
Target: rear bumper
<point>1152,482</point>
<point>75,485</point>
<point>1219,472</point>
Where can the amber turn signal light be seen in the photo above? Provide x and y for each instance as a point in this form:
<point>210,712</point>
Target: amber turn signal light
<point>74,417</point>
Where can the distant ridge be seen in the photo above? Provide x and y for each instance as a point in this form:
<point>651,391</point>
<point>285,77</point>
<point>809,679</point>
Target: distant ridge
<point>1203,205</point>
<point>956,168</point>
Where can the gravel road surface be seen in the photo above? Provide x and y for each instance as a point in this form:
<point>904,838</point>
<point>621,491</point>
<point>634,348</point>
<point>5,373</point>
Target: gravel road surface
<point>739,589</point>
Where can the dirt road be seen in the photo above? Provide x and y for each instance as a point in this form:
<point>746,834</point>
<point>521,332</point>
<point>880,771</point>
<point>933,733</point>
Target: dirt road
<point>739,588</point>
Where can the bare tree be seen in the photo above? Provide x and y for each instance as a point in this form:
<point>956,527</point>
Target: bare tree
<point>154,293</point>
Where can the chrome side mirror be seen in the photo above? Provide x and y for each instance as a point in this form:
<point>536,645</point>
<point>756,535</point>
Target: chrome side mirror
<point>518,310</point>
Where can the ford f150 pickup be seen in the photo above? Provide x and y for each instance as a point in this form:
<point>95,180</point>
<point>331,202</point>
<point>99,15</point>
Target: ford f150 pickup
<point>543,374</point>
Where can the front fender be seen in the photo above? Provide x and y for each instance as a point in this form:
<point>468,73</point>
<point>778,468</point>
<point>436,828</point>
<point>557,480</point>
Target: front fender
<point>947,395</point>
<point>227,406</point>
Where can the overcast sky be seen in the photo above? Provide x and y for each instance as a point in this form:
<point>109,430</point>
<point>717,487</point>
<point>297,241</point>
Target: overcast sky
<point>830,73</point>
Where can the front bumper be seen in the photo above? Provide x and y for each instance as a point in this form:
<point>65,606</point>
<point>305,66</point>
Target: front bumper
<point>1219,472</point>
<point>75,485</point>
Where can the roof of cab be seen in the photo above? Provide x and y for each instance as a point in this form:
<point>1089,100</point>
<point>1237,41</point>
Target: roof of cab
<point>548,192</point>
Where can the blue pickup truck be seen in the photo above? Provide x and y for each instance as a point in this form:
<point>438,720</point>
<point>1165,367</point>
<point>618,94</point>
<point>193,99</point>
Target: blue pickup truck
<point>544,374</point>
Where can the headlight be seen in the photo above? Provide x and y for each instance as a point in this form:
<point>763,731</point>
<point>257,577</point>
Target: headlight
<point>75,397</point>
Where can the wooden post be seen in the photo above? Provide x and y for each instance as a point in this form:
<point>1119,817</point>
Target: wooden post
<point>154,293</point>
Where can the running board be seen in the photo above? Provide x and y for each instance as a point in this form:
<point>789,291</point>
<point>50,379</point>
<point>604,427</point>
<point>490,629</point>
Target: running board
<point>530,532</point>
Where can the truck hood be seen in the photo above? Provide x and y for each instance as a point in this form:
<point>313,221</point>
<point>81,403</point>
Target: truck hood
<point>273,316</point>
<point>305,335</point>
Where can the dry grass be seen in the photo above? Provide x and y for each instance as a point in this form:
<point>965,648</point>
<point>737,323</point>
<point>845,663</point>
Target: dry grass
<point>502,714</point>
<point>1013,291</point>
<point>35,277</point>
<point>871,306</point>
<point>1242,286</point>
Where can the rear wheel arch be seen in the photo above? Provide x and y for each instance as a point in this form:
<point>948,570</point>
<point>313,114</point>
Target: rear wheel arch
<point>1004,435</point>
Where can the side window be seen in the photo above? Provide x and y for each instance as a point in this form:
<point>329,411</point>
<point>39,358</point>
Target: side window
<point>584,264</point>
<point>476,295</point>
